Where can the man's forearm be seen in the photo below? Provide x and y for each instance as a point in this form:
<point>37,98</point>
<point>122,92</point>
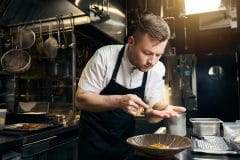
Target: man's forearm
<point>95,103</point>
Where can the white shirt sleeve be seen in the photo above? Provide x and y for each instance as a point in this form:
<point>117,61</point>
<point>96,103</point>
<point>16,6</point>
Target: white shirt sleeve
<point>154,90</point>
<point>93,75</point>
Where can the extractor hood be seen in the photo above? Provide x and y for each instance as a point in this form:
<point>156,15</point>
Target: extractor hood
<point>15,12</point>
<point>106,16</point>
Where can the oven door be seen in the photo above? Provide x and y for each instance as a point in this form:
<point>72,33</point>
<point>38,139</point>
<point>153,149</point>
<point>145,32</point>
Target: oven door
<point>51,148</point>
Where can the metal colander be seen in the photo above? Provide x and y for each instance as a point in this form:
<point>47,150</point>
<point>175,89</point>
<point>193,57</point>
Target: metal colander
<point>16,60</point>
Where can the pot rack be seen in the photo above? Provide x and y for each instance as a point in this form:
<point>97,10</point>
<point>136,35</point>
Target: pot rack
<point>66,21</point>
<point>71,21</point>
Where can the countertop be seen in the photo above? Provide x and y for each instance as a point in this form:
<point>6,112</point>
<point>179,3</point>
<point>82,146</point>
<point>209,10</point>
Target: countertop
<point>188,155</point>
<point>12,140</point>
<point>8,142</point>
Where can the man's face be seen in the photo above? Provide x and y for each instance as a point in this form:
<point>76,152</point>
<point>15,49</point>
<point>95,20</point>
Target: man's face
<point>145,53</point>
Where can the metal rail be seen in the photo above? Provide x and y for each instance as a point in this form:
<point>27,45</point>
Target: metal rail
<point>35,25</point>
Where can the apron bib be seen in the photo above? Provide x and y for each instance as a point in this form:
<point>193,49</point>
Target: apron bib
<point>102,135</point>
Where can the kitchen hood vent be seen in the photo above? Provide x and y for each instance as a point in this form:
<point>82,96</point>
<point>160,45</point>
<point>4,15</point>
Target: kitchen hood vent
<point>104,16</point>
<point>20,12</point>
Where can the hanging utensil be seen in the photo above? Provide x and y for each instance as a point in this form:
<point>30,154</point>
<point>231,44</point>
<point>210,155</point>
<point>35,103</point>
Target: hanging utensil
<point>50,46</point>
<point>16,60</point>
<point>64,46</point>
<point>40,41</point>
<point>28,38</point>
<point>58,31</point>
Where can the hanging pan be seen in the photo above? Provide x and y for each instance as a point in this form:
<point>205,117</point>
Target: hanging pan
<point>28,38</point>
<point>16,60</point>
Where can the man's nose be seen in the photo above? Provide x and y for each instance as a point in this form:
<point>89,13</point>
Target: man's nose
<point>151,60</point>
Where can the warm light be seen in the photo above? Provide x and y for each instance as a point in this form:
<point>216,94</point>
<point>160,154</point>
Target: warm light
<point>200,6</point>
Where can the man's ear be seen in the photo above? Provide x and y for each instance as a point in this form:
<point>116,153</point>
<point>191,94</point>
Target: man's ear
<point>131,41</point>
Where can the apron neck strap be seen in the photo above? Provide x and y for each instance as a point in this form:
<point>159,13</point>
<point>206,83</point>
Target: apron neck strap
<point>114,75</point>
<point>116,68</point>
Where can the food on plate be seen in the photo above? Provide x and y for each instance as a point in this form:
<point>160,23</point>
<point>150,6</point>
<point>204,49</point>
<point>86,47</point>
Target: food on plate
<point>28,126</point>
<point>159,146</point>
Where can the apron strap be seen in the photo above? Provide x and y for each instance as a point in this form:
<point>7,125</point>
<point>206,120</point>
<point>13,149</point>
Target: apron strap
<point>144,79</point>
<point>116,68</point>
<point>114,75</point>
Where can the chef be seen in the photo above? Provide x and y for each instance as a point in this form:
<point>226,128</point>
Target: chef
<point>116,83</point>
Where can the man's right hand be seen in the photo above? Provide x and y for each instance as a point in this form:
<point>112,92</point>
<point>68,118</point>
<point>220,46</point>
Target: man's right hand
<point>131,103</point>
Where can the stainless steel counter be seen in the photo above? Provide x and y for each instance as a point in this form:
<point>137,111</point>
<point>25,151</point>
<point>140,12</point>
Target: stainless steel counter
<point>188,155</point>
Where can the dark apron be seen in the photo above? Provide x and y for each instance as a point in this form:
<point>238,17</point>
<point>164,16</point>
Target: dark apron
<point>102,135</point>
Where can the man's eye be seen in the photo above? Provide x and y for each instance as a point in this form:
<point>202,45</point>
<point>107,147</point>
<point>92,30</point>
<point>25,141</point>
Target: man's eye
<point>147,53</point>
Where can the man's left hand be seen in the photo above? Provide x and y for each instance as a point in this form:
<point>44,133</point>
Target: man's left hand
<point>170,111</point>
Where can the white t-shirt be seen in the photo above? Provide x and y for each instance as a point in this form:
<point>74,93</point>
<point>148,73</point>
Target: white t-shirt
<point>99,69</point>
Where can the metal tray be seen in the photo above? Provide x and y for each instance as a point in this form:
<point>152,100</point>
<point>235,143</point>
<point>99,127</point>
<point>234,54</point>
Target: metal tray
<point>205,120</point>
<point>206,126</point>
<point>33,113</point>
<point>213,145</point>
<point>27,126</point>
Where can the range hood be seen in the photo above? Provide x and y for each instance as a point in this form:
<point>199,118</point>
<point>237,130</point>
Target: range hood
<point>105,16</point>
<point>22,12</point>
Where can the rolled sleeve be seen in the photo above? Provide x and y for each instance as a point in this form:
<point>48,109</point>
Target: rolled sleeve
<point>92,77</point>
